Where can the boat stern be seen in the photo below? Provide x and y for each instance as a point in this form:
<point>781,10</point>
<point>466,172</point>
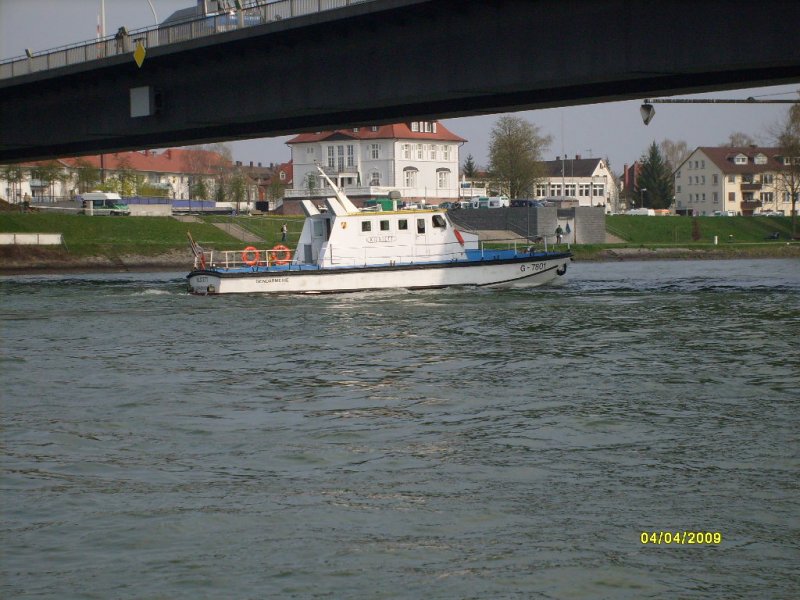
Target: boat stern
<point>203,283</point>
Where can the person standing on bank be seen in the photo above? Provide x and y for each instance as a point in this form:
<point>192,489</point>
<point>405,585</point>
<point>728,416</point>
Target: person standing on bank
<point>559,234</point>
<point>284,231</point>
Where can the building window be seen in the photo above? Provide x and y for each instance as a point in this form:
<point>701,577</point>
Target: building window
<point>584,189</point>
<point>374,128</point>
<point>407,151</point>
<point>678,174</point>
<point>355,129</point>
<point>282,176</point>
<point>555,189</point>
<point>420,152</point>
<point>741,159</point>
<point>410,177</point>
<point>443,179</point>
<point>541,190</point>
<point>433,151</point>
<point>768,178</point>
<point>446,152</point>
<point>715,179</point>
<point>599,189</point>
<point>715,197</point>
<point>375,178</point>
<point>678,189</point>
<point>767,197</point>
<point>415,126</point>
<point>569,189</point>
<point>731,178</point>
<point>351,153</point>
<point>375,151</point>
<point>331,157</point>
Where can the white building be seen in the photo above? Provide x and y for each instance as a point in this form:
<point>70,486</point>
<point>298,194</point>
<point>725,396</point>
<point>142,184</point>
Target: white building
<point>742,181</point>
<point>418,159</point>
<point>588,181</point>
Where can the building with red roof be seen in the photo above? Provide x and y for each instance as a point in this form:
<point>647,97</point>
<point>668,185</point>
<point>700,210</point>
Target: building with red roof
<point>173,173</point>
<point>419,159</point>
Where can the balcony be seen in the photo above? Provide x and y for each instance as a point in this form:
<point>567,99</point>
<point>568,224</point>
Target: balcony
<point>751,187</point>
<point>751,205</point>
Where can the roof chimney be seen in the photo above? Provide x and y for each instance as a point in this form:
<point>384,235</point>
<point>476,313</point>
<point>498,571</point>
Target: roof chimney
<point>577,157</point>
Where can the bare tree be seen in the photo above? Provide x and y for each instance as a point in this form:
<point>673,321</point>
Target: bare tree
<point>674,152</point>
<point>739,139</point>
<point>787,180</point>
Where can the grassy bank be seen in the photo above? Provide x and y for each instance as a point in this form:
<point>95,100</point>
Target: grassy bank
<point>116,242</point>
<point>697,230</point>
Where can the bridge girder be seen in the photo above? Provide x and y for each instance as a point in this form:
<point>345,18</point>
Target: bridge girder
<point>392,60</point>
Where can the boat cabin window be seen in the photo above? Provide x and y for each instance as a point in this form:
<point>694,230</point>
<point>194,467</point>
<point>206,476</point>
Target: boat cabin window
<point>318,228</point>
<point>385,225</point>
<point>420,225</point>
<point>366,226</point>
<point>402,225</point>
<point>438,221</point>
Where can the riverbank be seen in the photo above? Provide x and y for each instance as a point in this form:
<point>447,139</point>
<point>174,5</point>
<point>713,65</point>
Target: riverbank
<point>19,260</point>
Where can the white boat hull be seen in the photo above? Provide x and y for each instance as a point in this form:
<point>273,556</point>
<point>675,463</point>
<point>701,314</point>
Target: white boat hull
<point>518,272</point>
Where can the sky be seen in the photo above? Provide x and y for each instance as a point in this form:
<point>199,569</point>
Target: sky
<point>611,130</point>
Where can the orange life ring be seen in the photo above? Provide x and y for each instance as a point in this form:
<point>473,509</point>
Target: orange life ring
<point>246,254</point>
<point>285,257</point>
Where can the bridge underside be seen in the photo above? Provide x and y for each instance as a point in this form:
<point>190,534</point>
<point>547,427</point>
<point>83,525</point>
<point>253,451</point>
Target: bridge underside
<point>393,60</point>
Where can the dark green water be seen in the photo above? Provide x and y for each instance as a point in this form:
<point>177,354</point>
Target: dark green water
<point>442,444</point>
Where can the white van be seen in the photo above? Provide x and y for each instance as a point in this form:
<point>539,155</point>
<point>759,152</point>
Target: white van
<point>104,203</point>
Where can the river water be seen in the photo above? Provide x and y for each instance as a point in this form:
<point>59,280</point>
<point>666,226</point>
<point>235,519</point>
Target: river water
<point>439,444</point>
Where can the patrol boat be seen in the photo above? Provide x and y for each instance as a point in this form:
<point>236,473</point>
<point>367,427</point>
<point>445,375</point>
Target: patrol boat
<point>344,249</point>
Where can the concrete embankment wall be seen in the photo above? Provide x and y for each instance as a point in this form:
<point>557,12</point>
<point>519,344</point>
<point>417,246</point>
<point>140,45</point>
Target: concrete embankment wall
<point>31,239</point>
<point>588,223</point>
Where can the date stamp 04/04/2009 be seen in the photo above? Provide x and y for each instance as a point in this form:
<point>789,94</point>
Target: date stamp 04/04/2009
<point>681,538</point>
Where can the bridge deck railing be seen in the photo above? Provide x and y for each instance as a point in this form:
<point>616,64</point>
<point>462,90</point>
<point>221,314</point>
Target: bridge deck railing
<point>254,12</point>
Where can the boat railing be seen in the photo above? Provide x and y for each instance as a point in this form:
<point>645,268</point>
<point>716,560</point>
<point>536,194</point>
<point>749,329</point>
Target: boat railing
<point>241,259</point>
<point>333,255</point>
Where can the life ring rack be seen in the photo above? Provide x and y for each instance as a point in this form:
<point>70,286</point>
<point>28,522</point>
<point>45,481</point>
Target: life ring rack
<point>251,256</point>
<point>281,255</point>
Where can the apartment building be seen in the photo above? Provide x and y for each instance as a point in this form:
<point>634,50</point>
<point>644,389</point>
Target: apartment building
<point>741,181</point>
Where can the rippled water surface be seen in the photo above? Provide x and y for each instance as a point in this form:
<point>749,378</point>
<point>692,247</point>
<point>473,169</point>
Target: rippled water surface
<point>439,444</point>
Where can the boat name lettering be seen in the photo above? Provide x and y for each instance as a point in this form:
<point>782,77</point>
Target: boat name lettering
<point>533,267</point>
<point>273,280</point>
<point>380,238</point>
<point>201,280</point>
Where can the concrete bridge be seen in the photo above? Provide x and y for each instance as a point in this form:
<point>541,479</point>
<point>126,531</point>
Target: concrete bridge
<point>389,60</point>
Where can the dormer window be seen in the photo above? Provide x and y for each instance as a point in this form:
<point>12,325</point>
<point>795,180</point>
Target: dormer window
<point>740,159</point>
<point>760,159</point>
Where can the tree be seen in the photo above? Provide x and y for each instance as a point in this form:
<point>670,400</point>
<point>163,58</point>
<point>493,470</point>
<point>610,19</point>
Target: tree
<point>674,153</point>
<point>470,169</point>
<point>787,181</point>
<point>655,176</point>
<point>47,174</point>
<point>88,175</point>
<point>13,174</point>
<point>515,155</point>
<point>739,140</point>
